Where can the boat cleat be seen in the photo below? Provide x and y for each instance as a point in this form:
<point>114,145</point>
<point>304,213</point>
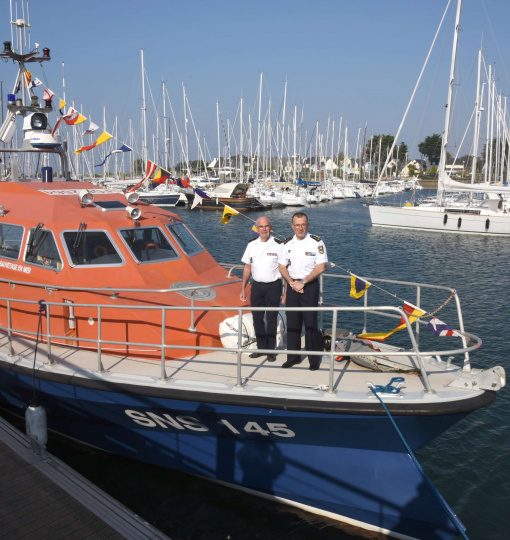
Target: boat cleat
<point>481,379</point>
<point>389,390</point>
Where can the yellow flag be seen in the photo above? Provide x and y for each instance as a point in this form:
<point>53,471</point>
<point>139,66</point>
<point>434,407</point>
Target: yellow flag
<point>61,104</point>
<point>101,139</point>
<point>358,286</point>
<point>228,213</point>
<point>28,76</point>
<point>413,313</point>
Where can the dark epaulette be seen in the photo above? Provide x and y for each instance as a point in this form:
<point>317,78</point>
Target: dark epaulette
<point>288,239</point>
<point>316,238</point>
<point>276,240</point>
<point>253,239</point>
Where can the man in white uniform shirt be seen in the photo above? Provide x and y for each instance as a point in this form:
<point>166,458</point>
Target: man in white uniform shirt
<point>261,262</point>
<point>302,261</point>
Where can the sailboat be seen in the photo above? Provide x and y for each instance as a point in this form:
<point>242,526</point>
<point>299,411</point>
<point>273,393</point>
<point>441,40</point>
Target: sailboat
<point>477,208</point>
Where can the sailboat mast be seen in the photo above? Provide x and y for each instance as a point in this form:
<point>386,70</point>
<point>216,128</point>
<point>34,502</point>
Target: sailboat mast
<point>258,128</point>
<point>241,142</point>
<point>165,138</point>
<point>186,130</point>
<point>295,137</point>
<point>218,129</point>
<point>477,119</point>
<point>283,128</point>
<point>442,161</point>
<point>144,117</point>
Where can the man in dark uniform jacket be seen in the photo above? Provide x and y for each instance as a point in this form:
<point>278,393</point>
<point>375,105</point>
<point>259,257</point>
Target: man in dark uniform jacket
<point>302,261</point>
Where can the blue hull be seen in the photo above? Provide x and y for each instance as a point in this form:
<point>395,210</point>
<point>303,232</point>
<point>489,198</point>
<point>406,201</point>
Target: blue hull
<point>351,465</point>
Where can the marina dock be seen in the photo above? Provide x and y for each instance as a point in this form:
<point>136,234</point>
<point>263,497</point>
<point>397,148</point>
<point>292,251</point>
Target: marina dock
<point>41,497</point>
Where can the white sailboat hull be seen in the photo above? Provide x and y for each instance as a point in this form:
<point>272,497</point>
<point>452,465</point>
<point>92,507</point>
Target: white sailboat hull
<point>435,218</point>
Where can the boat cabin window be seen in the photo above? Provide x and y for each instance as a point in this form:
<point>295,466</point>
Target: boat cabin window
<point>42,249</point>
<point>148,244</point>
<point>11,237</point>
<point>184,237</point>
<point>90,248</point>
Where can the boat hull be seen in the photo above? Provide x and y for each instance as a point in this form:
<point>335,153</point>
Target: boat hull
<point>440,219</point>
<point>172,199</point>
<point>239,204</point>
<point>348,465</point>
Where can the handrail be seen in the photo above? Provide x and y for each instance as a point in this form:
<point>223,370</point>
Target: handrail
<point>114,290</point>
<point>99,341</point>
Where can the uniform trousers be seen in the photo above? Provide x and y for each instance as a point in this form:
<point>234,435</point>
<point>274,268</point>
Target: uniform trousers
<point>295,319</point>
<point>266,295</point>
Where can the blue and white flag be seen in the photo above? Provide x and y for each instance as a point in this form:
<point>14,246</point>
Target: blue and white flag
<point>123,148</point>
<point>199,197</point>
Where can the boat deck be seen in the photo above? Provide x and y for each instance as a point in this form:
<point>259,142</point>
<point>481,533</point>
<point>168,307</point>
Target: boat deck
<point>218,372</point>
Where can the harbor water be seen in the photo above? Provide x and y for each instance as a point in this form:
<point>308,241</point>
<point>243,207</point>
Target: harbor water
<point>468,464</point>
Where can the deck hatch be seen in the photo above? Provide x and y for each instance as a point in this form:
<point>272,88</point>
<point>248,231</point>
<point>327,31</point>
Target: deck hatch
<point>107,206</point>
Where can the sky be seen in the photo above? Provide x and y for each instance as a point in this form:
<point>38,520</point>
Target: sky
<point>354,60</point>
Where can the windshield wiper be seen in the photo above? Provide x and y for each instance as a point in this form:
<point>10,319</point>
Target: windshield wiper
<point>32,243</point>
<point>79,235</point>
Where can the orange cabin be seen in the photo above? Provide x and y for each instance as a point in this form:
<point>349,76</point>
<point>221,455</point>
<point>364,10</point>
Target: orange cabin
<point>86,251</point>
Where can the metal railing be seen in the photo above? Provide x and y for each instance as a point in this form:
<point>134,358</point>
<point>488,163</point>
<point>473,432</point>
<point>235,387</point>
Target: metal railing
<point>332,311</point>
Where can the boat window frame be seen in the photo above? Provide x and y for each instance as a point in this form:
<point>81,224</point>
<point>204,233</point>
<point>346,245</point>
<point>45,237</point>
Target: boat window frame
<point>110,238</point>
<point>165,236</point>
<point>35,262</point>
<point>3,255</point>
<point>173,224</point>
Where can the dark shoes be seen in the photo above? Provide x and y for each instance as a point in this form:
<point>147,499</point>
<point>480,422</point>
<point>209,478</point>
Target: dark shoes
<point>271,357</point>
<point>290,363</point>
<point>314,366</point>
<point>256,355</point>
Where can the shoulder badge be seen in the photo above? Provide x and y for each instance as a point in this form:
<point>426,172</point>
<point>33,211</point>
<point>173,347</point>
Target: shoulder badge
<point>316,238</point>
<point>288,239</point>
<point>277,241</point>
<point>253,239</point>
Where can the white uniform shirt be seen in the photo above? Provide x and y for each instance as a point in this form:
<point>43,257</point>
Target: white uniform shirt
<point>302,256</point>
<point>263,257</point>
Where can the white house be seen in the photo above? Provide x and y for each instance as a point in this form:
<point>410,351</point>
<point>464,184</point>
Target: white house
<point>405,171</point>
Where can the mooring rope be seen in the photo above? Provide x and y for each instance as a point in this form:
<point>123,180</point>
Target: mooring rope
<point>451,514</point>
<point>42,310</point>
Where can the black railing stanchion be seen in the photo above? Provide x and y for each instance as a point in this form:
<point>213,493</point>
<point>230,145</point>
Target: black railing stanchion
<point>9,328</point>
<point>331,351</point>
<point>163,349</point>
<point>100,367</point>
